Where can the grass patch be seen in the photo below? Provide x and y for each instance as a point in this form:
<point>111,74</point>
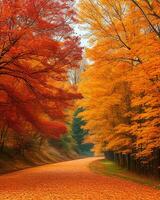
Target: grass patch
<point>109,168</point>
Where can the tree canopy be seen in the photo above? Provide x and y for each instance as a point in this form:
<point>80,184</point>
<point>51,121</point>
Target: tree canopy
<point>37,48</point>
<point>121,86</point>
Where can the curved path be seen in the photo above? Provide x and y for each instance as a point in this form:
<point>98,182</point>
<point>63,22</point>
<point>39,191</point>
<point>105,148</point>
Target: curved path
<point>71,180</point>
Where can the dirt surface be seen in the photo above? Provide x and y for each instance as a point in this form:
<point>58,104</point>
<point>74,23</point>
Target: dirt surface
<point>71,180</point>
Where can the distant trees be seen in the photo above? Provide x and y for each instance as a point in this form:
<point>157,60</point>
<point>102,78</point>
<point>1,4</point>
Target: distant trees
<point>37,48</point>
<point>121,87</point>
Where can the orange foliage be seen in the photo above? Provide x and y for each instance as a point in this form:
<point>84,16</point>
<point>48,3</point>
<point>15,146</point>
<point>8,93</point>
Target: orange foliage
<point>121,87</point>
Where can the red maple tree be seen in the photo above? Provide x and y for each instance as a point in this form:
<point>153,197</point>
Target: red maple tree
<point>37,47</point>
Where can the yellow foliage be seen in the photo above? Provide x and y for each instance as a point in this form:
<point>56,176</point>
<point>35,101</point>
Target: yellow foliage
<point>121,86</point>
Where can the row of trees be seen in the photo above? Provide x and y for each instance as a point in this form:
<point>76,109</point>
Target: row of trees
<point>37,48</point>
<point>121,86</point>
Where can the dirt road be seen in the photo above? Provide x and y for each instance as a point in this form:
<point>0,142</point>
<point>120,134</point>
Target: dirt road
<point>70,180</point>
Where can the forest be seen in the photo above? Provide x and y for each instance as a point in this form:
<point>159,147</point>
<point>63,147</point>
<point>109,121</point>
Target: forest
<point>121,84</point>
<point>38,47</point>
<point>69,93</point>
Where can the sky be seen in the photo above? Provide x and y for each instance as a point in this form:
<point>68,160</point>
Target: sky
<point>80,30</point>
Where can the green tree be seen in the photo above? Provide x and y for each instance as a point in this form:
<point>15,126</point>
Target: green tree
<point>79,134</point>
